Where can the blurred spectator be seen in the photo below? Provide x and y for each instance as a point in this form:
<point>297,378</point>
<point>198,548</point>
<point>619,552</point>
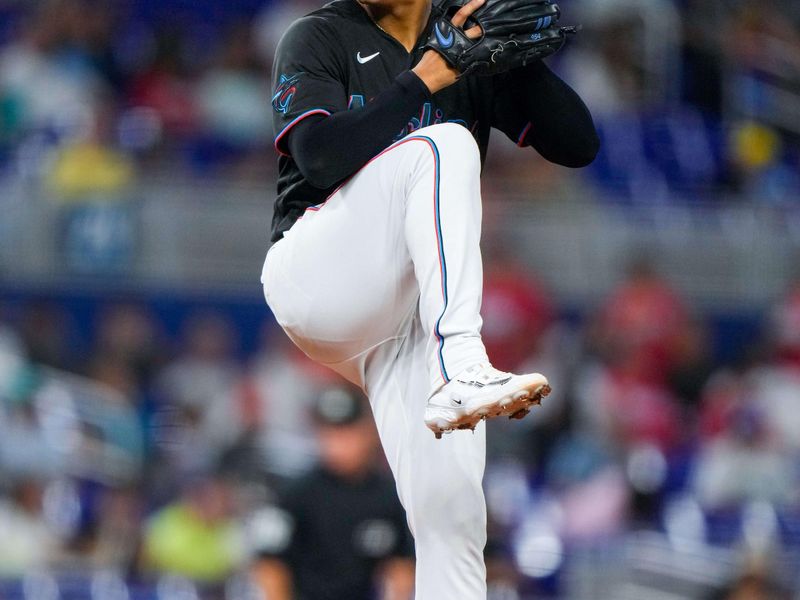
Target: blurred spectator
<point>25,449</point>
<point>340,531</point>
<point>88,167</point>
<point>196,536</point>
<point>29,542</point>
<point>128,351</point>
<point>53,421</point>
<point>626,56</point>
<point>48,334</point>
<point>702,76</point>
<point>206,366</point>
<point>750,422</point>
<point>233,111</point>
<point>743,464</point>
<point>166,85</point>
<point>277,396</point>
<point>767,39</point>
<point>641,325</point>
<point>588,484</point>
<point>626,411</point>
<point>46,77</point>
<point>118,532</point>
<point>196,390</point>
<point>784,328</point>
<point>624,398</point>
<point>727,392</point>
<point>117,375</point>
<point>693,363</point>
<point>521,334</point>
<point>231,95</point>
<point>605,75</point>
<point>13,360</point>
<point>776,384</point>
<point>128,332</point>
<point>516,311</point>
<point>274,20</point>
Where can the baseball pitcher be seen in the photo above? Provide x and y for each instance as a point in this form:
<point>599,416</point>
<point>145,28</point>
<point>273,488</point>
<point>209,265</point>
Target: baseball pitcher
<point>382,113</point>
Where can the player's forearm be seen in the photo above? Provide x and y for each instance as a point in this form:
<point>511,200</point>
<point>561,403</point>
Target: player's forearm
<point>272,579</point>
<point>434,72</point>
<point>329,149</point>
<point>561,129</point>
<point>398,579</point>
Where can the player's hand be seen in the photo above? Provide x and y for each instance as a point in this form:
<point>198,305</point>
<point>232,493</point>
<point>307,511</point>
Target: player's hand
<point>463,14</point>
<point>433,69</point>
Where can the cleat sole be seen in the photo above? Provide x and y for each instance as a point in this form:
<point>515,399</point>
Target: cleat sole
<point>515,406</point>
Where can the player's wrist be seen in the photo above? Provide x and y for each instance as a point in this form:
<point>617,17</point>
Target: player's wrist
<point>435,72</point>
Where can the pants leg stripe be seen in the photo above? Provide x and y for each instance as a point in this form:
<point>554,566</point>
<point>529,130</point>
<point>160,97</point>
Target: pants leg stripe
<point>442,260</point>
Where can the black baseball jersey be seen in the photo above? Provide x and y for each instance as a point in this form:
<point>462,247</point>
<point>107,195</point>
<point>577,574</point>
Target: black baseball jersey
<point>337,59</point>
<point>334,534</point>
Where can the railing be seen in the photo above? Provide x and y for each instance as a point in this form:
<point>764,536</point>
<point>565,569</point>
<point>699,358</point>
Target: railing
<point>211,235</point>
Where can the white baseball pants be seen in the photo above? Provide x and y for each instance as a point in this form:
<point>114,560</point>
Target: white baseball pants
<point>383,284</point>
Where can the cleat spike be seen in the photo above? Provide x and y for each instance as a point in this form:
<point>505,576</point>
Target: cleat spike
<point>520,414</point>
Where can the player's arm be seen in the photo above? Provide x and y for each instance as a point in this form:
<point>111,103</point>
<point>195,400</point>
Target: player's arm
<point>534,107</point>
<point>397,579</point>
<point>327,141</point>
<point>330,148</point>
<point>272,579</point>
<point>311,118</point>
<point>272,534</point>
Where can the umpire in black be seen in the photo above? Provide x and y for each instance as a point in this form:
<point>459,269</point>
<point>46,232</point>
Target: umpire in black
<point>339,533</point>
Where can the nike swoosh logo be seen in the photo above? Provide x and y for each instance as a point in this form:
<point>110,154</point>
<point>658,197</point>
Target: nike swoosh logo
<point>365,59</point>
<point>445,42</point>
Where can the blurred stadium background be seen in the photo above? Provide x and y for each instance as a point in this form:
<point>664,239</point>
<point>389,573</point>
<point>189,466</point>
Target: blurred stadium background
<point>140,369</point>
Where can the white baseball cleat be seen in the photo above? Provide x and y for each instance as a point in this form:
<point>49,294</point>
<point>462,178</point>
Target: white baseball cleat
<point>483,392</point>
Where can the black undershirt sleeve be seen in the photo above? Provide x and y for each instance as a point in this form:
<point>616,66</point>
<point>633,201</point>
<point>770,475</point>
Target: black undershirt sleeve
<point>534,107</point>
<point>328,149</point>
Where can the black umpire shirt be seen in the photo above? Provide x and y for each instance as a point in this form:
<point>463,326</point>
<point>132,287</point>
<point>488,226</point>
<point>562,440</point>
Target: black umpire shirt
<point>335,70</point>
<point>334,534</point>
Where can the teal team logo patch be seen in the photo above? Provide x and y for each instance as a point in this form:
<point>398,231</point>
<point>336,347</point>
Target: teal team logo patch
<point>285,92</point>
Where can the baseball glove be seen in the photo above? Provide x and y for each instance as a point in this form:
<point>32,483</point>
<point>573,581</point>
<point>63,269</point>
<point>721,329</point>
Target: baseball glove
<point>514,33</point>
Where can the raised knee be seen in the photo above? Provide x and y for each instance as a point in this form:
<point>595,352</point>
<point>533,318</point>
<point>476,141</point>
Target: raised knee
<point>453,138</point>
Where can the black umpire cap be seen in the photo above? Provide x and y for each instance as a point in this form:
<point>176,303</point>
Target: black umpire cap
<point>339,405</point>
